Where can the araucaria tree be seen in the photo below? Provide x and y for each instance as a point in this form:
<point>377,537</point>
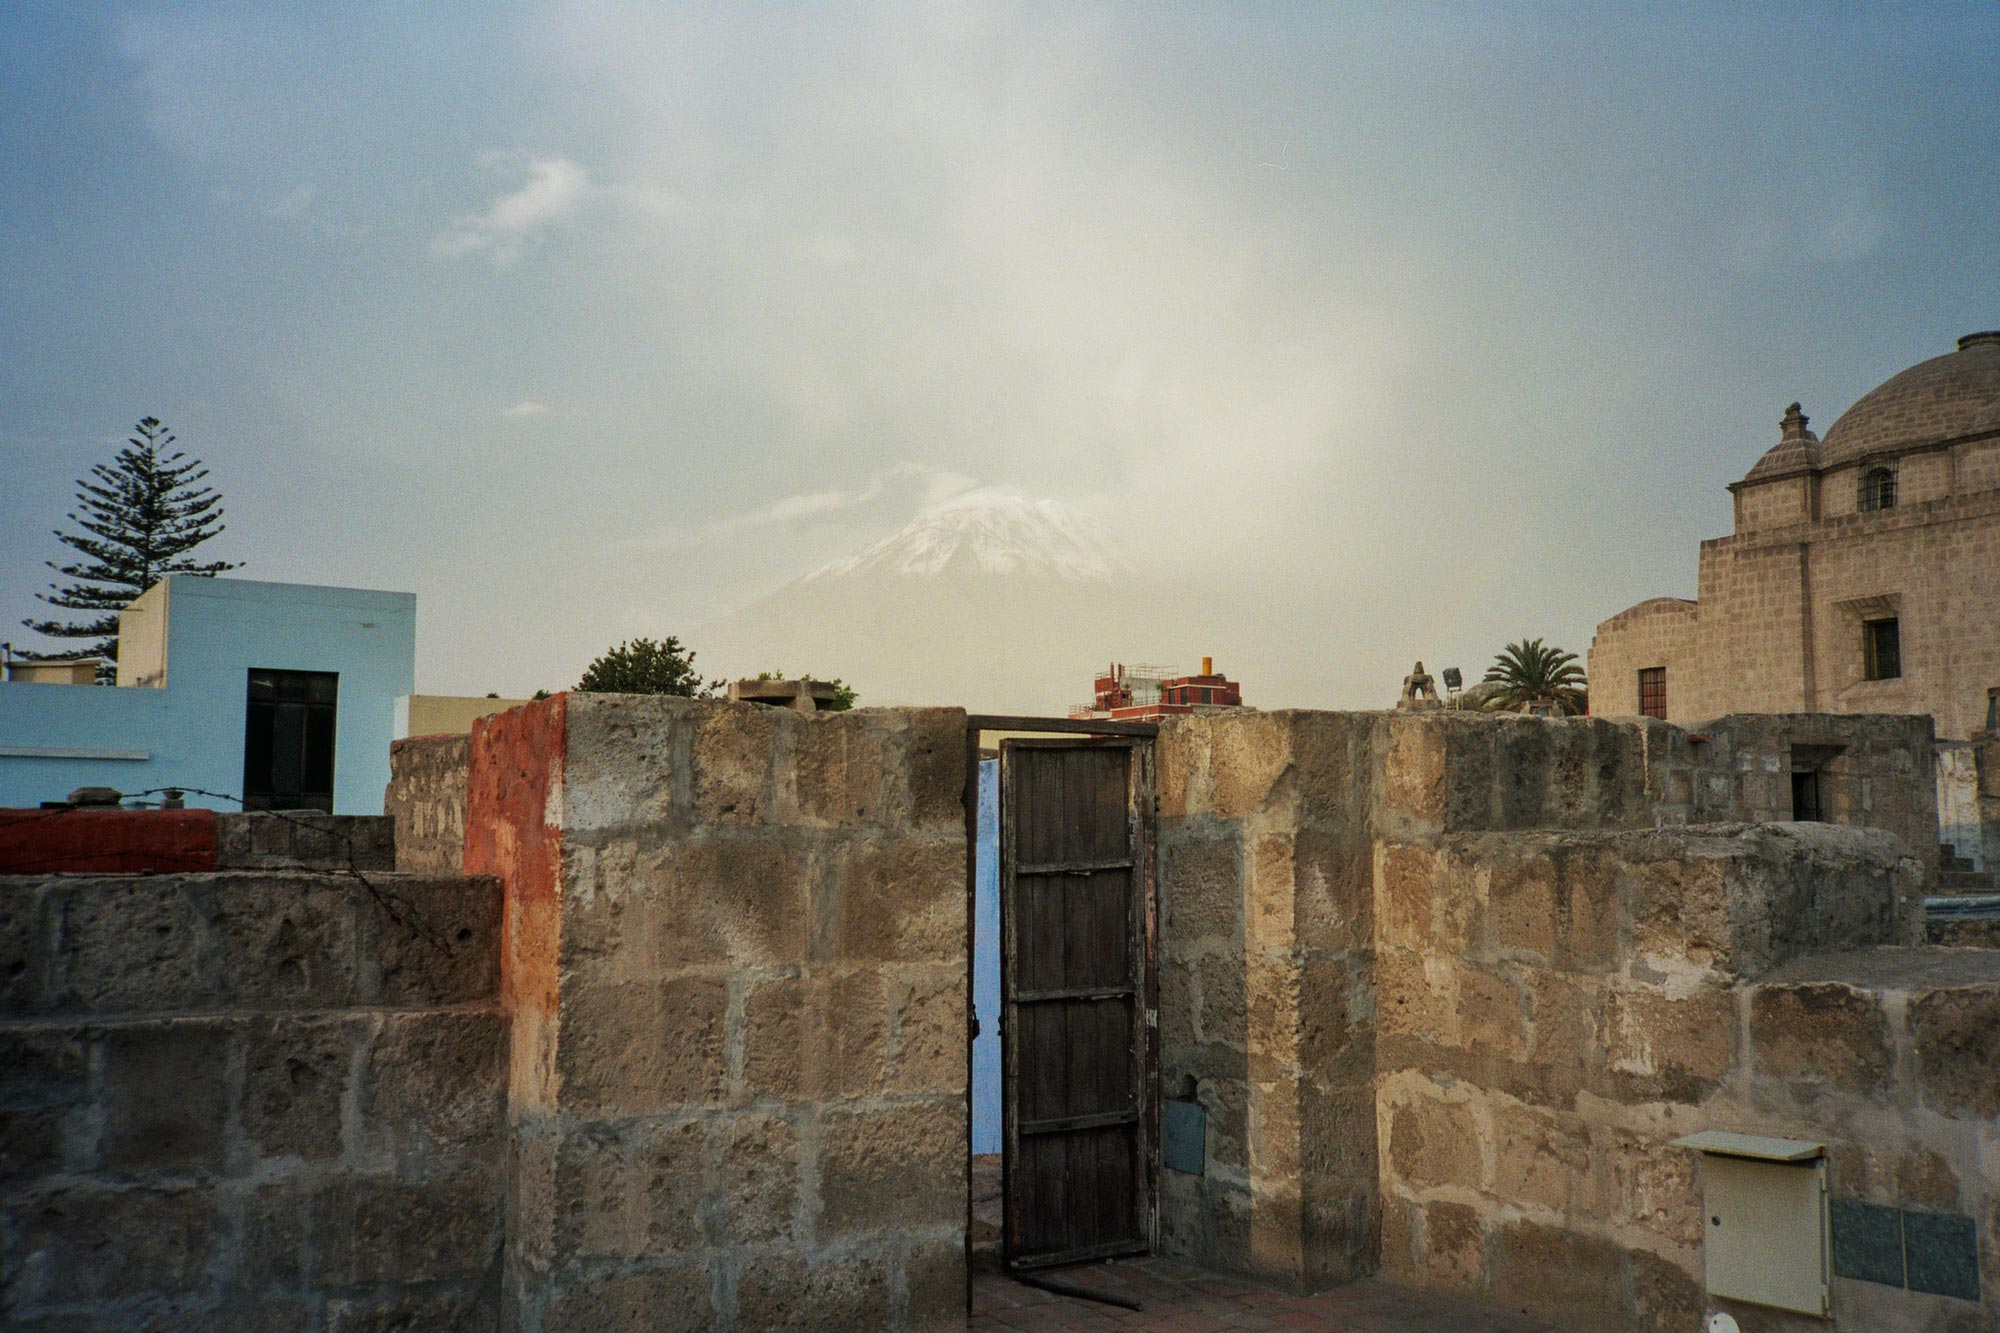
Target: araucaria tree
<point>1529,673</point>
<point>137,521</point>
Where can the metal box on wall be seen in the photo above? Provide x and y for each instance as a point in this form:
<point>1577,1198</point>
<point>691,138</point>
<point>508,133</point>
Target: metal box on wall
<point>1764,1208</point>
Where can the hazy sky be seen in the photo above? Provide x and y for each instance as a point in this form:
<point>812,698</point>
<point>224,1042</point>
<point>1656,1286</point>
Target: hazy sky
<point>1424,328</point>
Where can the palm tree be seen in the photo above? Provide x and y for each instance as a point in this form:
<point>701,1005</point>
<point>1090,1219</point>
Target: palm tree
<point>1530,673</point>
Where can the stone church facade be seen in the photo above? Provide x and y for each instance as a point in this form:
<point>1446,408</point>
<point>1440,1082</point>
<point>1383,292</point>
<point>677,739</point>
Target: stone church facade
<point>1863,575</point>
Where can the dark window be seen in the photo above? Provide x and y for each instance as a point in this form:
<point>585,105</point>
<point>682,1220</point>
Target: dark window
<point>1878,489</point>
<point>288,740</point>
<point>1806,802</point>
<point>1882,649</point>
<point>1653,692</point>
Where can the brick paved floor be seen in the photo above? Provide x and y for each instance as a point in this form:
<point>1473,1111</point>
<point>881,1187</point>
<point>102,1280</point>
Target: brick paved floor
<point>1178,1299</point>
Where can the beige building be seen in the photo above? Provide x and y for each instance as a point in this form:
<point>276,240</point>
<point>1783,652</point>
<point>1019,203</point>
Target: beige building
<point>1863,575</point>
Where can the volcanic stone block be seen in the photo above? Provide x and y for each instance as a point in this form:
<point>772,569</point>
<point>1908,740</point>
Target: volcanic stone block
<point>757,1185</point>
<point>623,1192</point>
<point>1414,776</point>
<point>786,1291</point>
<point>1335,906</point>
<point>283,940</point>
<point>1820,1034</point>
<point>434,941</point>
<point>23,962</point>
<point>166,1095</point>
<point>80,1243</point>
<point>1433,1142</point>
<point>899,1166</point>
<point>1201,891</point>
<point>1957,1036</point>
<point>1546,1268</point>
<point>1664,1295</point>
<point>44,1064</point>
<point>132,945</point>
<point>896,900</point>
<point>928,1032</point>
<point>260,1317</point>
<point>375,1230</point>
<point>1454,1240</point>
<point>743,898</point>
<point>294,1084</point>
<point>672,1299</point>
<point>1644,1181</point>
<point>1248,753</point>
<point>1405,899</point>
<point>437,1080</point>
<point>934,1273</point>
<point>1539,1157</point>
<point>421,1311</point>
<point>1686,1043</point>
<point>732,764</point>
<point>932,751</point>
<point>843,771</point>
<point>635,1047</point>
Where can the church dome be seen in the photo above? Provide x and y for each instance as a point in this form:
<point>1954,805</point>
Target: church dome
<point>1946,398</point>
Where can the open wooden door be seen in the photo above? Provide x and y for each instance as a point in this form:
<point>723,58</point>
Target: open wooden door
<point>1078,1104</point>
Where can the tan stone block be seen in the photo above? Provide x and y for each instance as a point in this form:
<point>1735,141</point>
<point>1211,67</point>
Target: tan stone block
<point>1271,1015</point>
<point>131,945</point>
<point>1646,1182</point>
<point>1680,1046</point>
<point>742,899</point>
<point>757,1178</point>
<point>1405,899</point>
<point>1566,1010</point>
<point>1820,1034</point>
<point>295,1082</point>
<point>1924,1179</point>
<point>632,1048</point>
<point>777,1014</point>
<point>896,900</point>
<point>1521,906</point>
<point>1539,1157</point>
<point>1408,1003</point>
<point>1223,984</point>
<point>1336,895</point>
<point>1340,1232</point>
<point>1402,1228</point>
<point>1248,753</point>
<point>1177,1006</point>
<point>1956,1033</point>
<point>623,1193</point>
<point>1333,1041</point>
<point>1433,1142</point>
<point>847,1033</point>
<point>844,768</point>
<point>1271,892</point>
<point>786,1291</point>
<point>928,1037</point>
<point>1337,1136</point>
<point>1454,1241</point>
<point>1664,1295</point>
<point>432,942</point>
<point>166,1095</point>
<point>1201,892</point>
<point>732,764</point>
<point>1558,1272</point>
<point>1413,773</point>
<point>934,1273</point>
<point>656,1300</point>
<point>902,1166</point>
<point>934,743</point>
<point>1227,1102</point>
<point>1492,1018</point>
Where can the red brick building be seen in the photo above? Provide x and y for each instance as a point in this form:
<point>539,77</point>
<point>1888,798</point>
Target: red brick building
<point>1143,693</point>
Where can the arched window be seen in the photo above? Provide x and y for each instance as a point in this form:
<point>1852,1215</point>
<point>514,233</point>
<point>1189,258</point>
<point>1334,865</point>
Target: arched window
<point>1878,489</point>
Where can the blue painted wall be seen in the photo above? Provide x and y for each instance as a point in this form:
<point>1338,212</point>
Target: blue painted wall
<point>986,964</point>
<point>192,728</point>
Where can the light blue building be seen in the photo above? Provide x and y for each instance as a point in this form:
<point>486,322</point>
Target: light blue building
<point>283,693</point>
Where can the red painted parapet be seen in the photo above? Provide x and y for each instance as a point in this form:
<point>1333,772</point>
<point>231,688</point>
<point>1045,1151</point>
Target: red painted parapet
<point>101,842</point>
<point>515,768</point>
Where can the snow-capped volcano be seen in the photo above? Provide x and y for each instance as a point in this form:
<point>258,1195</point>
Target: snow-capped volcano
<point>988,531</point>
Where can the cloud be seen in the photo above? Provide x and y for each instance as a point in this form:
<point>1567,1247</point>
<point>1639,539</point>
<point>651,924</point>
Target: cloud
<point>525,410</point>
<point>557,190</point>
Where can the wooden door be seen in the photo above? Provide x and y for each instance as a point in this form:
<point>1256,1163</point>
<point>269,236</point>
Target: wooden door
<point>1076,940</point>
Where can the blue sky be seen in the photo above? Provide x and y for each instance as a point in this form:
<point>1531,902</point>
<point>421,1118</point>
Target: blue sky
<point>1422,328</point>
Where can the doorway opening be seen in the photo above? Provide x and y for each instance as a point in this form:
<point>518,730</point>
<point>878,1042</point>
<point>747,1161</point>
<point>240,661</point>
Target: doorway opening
<point>1062,932</point>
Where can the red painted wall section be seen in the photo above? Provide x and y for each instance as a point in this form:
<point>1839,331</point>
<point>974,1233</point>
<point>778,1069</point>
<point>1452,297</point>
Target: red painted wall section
<point>106,842</point>
<point>513,801</point>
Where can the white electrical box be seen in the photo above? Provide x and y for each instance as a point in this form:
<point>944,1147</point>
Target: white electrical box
<point>1764,1232</point>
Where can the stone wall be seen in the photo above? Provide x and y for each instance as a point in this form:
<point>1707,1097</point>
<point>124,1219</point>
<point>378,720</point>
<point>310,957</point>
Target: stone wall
<point>1266,1005</point>
<point>1655,633</point>
<point>249,1101</point>
<point>736,960</point>
<point>426,803</point>
<point>1555,1009</point>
